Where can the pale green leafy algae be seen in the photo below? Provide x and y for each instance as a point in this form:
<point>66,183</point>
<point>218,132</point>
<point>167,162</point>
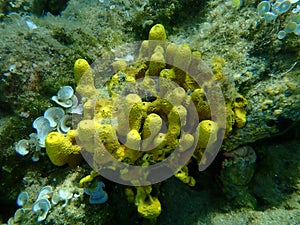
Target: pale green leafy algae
<point>263,7</point>
<point>290,27</point>
<point>297,30</point>
<point>282,6</point>
<point>281,34</point>
<point>271,10</point>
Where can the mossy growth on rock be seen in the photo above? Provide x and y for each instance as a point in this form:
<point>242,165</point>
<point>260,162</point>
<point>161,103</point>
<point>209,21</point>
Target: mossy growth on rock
<point>55,7</point>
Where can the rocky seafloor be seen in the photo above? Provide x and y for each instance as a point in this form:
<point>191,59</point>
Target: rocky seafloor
<point>41,40</point>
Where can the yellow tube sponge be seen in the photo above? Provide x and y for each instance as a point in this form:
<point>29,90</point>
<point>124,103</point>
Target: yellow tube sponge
<point>183,175</point>
<point>127,155</point>
<point>88,109</point>
<point>159,139</point>
<point>161,107</point>
<point>168,74</point>
<point>218,64</point>
<point>81,67</point>
<point>183,57</point>
<point>207,129</point>
<point>157,36</point>
<point>108,136</point>
<point>84,182</point>
<point>149,84</point>
<point>144,50</point>
<point>240,117</point>
<point>113,85</point>
<point>181,64</point>
<point>136,115</point>
<point>202,106</point>
<point>119,65</point>
<point>176,96</point>
<point>133,140</point>
<point>152,126</point>
<point>130,100</point>
<point>122,126</point>
<point>195,61</point>
<point>230,119</point>
<point>193,71</point>
<point>84,79</point>
<point>129,113</point>
<point>182,112</point>
<point>157,62</point>
<point>104,112</point>
<point>170,53</point>
<point>240,102</point>
<point>239,108</point>
<point>174,128</point>
<point>165,85</point>
<point>158,33</point>
<point>71,135</point>
<point>86,134</point>
<point>186,141</point>
<point>61,150</point>
<point>148,207</point>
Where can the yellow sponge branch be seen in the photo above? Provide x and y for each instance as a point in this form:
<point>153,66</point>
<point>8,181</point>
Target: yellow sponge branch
<point>62,150</point>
